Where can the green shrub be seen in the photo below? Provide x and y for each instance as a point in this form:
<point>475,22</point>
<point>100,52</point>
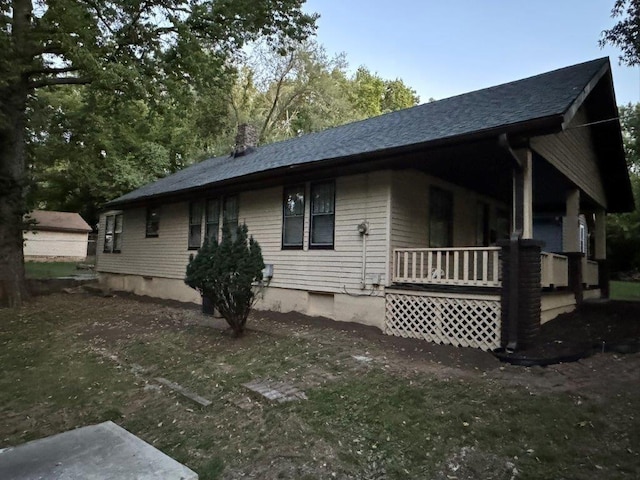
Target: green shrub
<point>229,274</point>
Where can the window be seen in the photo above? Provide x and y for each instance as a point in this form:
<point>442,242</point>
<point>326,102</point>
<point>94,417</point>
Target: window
<point>483,234</point>
<point>195,225</point>
<point>322,215</point>
<point>503,224</point>
<point>113,234</point>
<point>230,216</point>
<point>153,221</point>
<point>440,218</point>
<point>213,219</point>
<point>293,217</point>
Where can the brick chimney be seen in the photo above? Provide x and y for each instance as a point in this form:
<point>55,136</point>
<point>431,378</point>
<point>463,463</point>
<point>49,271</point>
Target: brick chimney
<point>246,140</point>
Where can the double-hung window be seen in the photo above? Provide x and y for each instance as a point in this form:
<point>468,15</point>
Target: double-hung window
<point>195,225</point>
<point>153,222</point>
<point>113,233</point>
<point>230,216</point>
<point>213,219</point>
<point>440,218</point>
<point>322,215</point>
<point>293,217</point>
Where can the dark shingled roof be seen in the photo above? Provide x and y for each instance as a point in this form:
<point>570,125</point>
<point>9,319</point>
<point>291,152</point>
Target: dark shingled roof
<point>508,105</point>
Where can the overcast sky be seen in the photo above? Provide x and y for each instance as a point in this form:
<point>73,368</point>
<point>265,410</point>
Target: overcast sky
<point>447,47</point>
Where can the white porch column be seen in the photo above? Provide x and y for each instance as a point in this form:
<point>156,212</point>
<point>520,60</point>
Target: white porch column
<point>601,235</point>
<point>571,224</point>
<point>523,193</point>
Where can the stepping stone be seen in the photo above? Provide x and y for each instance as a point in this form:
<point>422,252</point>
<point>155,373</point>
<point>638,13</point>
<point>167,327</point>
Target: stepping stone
<point>275,391</point>
<point>184,392</point>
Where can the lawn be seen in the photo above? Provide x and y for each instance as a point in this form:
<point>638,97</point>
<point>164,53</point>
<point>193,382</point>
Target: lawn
<point>50,269</point>
<point>625,290</point>
<point>373,410</point>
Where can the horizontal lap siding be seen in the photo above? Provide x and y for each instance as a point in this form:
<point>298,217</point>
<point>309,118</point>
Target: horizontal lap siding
<point>55,244</point>
<point>358,198</point>
<point>409,209</point>
<point>163,256</point>
<point>572,153</point>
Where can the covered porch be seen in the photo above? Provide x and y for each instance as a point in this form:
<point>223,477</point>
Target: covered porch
<point>454,287</point>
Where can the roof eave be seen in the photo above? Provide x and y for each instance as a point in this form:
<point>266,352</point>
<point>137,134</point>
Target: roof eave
<point>540,126</point>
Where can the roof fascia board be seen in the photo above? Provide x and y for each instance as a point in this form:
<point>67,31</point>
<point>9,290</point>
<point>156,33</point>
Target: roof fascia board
<point>582,96</point>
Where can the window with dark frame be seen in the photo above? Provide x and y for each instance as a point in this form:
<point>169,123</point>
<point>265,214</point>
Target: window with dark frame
<point>293,217</point>
<point>230,216</point>
<point>117,234</point>
<point>322,221</point>
<point>195,225</point>
<point>483,233</point>
<point>153,222</point>
<point>212,219</point>
<point>113,233</point>
<point>440,218</point>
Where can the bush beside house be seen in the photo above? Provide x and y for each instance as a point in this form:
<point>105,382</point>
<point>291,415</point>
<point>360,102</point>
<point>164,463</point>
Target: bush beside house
<point>226,274</point>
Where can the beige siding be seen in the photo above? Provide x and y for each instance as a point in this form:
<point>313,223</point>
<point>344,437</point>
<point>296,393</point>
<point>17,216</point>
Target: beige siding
<point>410,210</point>
<point>162,256</point>
<point>358,198</point>
<point>55,244</point>
<point>572,153</point>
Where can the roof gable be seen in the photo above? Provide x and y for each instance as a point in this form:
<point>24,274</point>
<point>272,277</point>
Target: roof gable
<point>511,106</point>
<point>58,221</point>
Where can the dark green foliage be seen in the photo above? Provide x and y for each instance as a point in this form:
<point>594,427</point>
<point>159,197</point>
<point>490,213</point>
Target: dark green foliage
<point>624,34</point>
<point>623,229</point>
<point>225,273</point>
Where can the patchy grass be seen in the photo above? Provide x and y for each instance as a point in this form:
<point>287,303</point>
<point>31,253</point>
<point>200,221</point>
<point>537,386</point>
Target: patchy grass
<point>70,361</point>
<point>50,269</point>
<point>625,290</point>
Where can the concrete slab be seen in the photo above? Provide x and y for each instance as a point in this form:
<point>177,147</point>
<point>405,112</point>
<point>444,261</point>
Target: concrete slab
<point>104,451</point>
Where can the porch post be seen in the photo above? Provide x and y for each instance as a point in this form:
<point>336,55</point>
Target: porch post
<point>571,242</point>
<point>523,193</point>
<point>600,252</point>
<point>521,289</point>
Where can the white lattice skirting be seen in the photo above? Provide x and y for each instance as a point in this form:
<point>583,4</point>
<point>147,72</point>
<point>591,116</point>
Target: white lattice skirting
<point>461,320</point>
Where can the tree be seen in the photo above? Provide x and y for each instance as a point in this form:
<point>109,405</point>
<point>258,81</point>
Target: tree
<point>623,230</point>
<point>624,34</point>
<point>133,48</point>
<point>227,275</point>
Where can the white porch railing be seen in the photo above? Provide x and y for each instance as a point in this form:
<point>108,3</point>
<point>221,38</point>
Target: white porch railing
<point>554,270</point>
<point>472,266</point>
<point>590,273</point>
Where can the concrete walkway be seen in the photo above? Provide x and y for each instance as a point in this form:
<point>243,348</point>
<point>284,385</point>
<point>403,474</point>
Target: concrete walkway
<point>104,451</point>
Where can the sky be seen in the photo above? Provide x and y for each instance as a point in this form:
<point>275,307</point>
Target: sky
<point>442,48</point>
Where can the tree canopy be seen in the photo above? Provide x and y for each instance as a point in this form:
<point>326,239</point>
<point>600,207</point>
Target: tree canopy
<point>131,52</point>
<point>625,33</point>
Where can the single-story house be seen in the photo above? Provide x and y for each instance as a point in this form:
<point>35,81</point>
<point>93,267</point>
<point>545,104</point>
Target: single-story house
<point>419,221</point>
<point>55,236</point>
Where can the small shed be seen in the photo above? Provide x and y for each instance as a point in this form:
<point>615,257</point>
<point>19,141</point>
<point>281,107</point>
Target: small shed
<point>55,237</point>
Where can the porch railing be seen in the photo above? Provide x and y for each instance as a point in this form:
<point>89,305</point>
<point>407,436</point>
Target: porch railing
<point>472,266</point>
<point>554,270</point>
<point>590,273</point>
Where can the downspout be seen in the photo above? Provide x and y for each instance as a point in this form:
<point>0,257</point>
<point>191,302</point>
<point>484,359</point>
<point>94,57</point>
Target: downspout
<point>514,252</point>
<point>363,230</point>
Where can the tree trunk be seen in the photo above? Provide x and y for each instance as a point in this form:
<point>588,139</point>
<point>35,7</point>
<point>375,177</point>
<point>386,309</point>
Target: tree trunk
<point>13,99</point>
<point>12,206</point>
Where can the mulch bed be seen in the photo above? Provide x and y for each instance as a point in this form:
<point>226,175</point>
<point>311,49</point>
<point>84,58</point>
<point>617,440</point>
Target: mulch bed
<point>598,326</point>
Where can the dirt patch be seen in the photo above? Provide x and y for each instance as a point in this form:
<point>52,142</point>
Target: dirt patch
<point>596,327</point>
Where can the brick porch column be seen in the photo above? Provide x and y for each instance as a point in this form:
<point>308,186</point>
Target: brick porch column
<point>600,252</point>
<point>521,301</point>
